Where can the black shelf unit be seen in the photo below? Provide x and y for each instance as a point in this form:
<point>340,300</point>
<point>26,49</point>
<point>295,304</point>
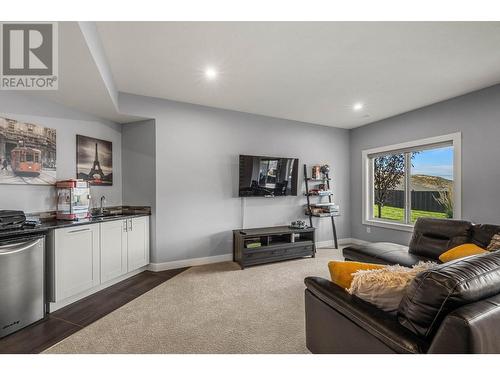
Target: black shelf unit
<point>277,244</point>
<point>308,195</point>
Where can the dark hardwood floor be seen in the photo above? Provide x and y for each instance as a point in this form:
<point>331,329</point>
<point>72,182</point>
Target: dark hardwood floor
<point>70,319</point>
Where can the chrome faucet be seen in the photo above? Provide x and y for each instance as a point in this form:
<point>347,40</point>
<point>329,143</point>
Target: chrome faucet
<point>103,202</point>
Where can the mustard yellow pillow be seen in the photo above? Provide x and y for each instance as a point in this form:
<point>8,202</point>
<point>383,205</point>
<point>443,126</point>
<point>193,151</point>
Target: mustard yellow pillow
<point>341,272</point>
<point>461,251</point>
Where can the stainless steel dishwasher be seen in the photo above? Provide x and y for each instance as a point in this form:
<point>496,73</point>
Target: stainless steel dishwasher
<point>22,282</point>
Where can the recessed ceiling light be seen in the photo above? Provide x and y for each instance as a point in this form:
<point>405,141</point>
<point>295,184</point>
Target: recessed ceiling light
<point>210,73</point>
<point>357,106</point>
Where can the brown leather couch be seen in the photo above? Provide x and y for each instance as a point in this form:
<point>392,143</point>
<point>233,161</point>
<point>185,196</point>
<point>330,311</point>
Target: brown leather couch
<point>453,308</point>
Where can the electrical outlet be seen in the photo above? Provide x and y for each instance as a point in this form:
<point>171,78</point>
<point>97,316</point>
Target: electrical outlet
<point>368,229</point>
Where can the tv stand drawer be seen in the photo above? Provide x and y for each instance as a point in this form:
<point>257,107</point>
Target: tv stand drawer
<point>250,258</point>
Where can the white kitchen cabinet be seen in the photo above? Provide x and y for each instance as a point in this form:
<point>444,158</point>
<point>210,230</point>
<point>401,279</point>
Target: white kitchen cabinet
<point>83,259</point>
<point>138,242</point>
<point>76,260</point>
<point>113,246</point>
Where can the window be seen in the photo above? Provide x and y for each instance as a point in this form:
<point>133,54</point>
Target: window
<point>411,180</point>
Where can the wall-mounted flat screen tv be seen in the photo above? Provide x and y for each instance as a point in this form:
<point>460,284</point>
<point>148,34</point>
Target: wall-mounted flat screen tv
<point>267,176</point>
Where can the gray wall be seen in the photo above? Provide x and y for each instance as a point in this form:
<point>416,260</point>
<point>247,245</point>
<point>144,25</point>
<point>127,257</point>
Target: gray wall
<point>32,198</point>
<point>477,117</point>
<point>139,171</point>
<point>192,151</point>
<point>197,152</point>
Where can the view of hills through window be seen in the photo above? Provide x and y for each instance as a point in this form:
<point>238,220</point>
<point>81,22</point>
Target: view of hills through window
<point>430,190</point>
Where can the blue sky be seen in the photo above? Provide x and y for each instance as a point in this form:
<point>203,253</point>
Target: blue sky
<point>437,162</point>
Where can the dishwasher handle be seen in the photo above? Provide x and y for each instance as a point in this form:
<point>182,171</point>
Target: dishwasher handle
<point>18,247</point>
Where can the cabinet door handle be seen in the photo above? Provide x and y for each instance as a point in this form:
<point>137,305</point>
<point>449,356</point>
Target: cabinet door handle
<point>125,226</point>
<point>79,230</point>
<point>130,221</point>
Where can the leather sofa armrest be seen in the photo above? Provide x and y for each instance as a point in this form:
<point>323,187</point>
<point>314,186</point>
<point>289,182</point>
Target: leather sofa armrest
<point>473,328</point>
<point>383,326</point>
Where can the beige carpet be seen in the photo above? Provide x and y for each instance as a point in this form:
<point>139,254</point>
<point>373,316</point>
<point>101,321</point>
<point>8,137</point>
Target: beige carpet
<point>215,308</point>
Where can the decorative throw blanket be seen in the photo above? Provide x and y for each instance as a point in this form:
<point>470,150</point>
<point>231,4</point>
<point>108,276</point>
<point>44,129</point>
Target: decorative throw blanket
<point>385,287</point>
<point>495,243</point>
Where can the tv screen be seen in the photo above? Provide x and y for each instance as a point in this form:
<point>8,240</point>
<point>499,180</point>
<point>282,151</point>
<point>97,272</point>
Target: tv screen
<point>267,176</point>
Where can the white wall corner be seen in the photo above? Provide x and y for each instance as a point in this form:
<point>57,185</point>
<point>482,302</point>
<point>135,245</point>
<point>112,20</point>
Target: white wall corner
<point>96,48</point>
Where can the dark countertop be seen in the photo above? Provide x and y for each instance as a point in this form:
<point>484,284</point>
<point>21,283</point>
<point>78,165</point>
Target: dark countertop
<point>56,224</point>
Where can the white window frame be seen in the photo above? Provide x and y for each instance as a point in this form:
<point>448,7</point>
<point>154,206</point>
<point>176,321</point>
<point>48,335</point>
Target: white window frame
<point>367,180</point>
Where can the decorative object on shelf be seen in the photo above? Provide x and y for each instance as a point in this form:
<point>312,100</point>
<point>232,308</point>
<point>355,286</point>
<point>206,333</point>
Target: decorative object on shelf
<point>325,193</point>
<point>94,160</point>
<point>316,170</point>
<point>27,153</point>
<point>323,209</point>
<point>298,224</point>
<point>325,169</point>
<point>252,243</point>
<point>322,189</point>
<point>73,200</point>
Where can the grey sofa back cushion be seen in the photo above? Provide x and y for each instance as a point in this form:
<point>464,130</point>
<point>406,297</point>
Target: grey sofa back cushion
<point>435,293</point>
<point>432,237</point>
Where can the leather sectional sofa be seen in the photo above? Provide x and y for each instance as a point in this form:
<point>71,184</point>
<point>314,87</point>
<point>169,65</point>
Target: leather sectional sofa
<point>453,308</point>
<point>431,238</point>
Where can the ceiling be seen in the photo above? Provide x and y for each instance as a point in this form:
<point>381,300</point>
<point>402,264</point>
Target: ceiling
<point>80,85</point>
<point>305,71</point>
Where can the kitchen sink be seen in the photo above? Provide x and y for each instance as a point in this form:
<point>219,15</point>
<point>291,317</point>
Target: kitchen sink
<point>106,215</point>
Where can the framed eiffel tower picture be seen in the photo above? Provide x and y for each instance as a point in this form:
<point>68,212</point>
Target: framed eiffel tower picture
<point>94,160</point>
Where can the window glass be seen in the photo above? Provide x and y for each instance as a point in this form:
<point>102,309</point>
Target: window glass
<point>389,187</point>
<point>410,184</point>
<point>431,183</point>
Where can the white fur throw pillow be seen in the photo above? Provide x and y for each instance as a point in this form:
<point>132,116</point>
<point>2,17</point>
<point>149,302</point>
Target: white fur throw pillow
<point>386,286</point>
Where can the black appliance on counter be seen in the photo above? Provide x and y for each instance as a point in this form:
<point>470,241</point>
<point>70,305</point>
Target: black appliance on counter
<point>11,219</point>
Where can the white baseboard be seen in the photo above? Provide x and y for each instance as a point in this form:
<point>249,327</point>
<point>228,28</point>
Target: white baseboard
<point>156,267</point>
<point>341,241</point>
<point>356,241</point>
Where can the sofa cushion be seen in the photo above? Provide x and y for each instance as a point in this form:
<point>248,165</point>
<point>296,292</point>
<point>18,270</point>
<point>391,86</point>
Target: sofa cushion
<point>432,237</point>
<point>483,233</point>
<point>434,293</point>
<point>385,287</point>
<point>461,251</point>
<point>341,273</point>
<point>382,253</point>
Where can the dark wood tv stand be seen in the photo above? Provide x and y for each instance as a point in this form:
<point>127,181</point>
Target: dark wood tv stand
<point>277,243</point>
